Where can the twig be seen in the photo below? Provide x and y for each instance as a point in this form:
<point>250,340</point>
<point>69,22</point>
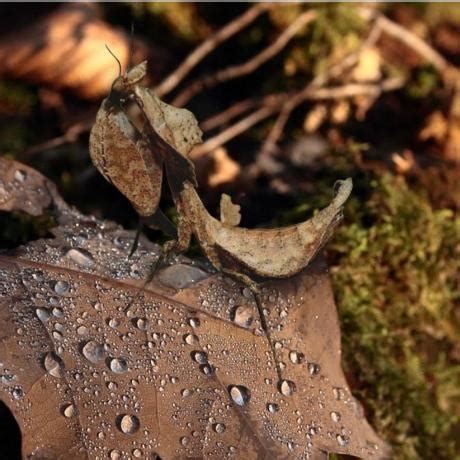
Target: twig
<point>280,100</point>
<point>229,113</point>
<point>238,108</point>
<point>407,37</point>
<point>242,125</point>
<point>210,44</point>
<point>355,89</point>
<point>70,136</point>
<point>277,130</point>
<point>236,71</point>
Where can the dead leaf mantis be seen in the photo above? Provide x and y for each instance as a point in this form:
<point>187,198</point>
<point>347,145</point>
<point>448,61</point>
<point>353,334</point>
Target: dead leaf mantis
<point>136,136</point>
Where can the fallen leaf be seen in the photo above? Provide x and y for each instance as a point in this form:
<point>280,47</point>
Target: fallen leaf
<point>340,111</point>
<point>24,189</point>
<point>224,169</point>
<point>435,127</point>
<point>315,118</point>
<point>95,367</point>
<point>66,49</point>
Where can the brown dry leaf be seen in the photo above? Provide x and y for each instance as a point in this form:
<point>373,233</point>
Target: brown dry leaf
<point>435,127</point>
<point>340,111</point>
<point>24,189</point>
<point>224,168</point>
<point>315,118</point>
<point>66,49</point>
<point>94,367</point>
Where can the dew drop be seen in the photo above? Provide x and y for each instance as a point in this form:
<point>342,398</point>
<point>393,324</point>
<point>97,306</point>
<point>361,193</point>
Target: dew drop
<point>58,312</point>
<point>81,257</point>
<point>185,393</point>
<point>242,316</point>
<point>191,339</point>
<point>180,276</point>
<point>335,416</point>
<point>207,369</point>
<point>141,323</point>
<point>93,351</point>
<point>61,287</point>
<point>338,393</point>
<point>286,387</point>
<point>20,175</point>
<point>112,386</point>
<point>199,356</point>
<point>113,322</point>
<point>342,440</point>
<point>68,410</point>
<point>273,407</point>
<point>239,394</point>
<point>17,393</point>
<point>114,454</point>
<point>219,427</point>
<point>82,330</point>
<point>118,365</point>
<point>194,322</point>
<point>57,335</point>
<point>184,441</point>
<point>128,424</point>
<point>296,357</point>
<point>54,365</point>
<point>6,379</point>
<point>43,314</point>
<point>313,368</point>
<point>137,453</point>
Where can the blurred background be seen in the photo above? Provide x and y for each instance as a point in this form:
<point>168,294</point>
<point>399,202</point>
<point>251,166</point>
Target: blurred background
<point>290,99</point>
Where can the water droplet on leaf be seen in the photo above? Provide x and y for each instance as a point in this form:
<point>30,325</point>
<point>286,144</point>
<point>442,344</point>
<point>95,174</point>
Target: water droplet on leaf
<point>199,356</point>
<point>242,316</point>
<point>93,351</point>
<point>239,394</point>
<point>296,357</point>
<point>43,314</point>
<point>68,410</point>
<point>118,365</point>
<point>286,387</point>
<point>81,257</point>
<point>128,424</point>
<point>190,339</point>
<point>272,407</point>
<point>54,365</point>
<point>335,416</point>
<point>219,427</point>
<point>61,287</point>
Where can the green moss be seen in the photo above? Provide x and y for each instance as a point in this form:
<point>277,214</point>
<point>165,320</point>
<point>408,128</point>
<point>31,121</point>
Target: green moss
<point>424,82</point>
<point>395,277</point>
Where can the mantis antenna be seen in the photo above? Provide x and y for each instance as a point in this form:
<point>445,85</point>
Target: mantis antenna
<point>116,59</point>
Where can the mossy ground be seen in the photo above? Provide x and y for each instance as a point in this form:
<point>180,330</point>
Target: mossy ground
<point>396,269</point>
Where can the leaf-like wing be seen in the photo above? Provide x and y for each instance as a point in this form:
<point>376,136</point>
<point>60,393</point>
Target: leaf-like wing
<point>122,157</point>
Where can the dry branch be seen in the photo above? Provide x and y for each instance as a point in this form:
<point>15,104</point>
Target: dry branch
<point>236,71</point>
<point>69,137</point>
<point>311,89</point>
<point>239,127</point>
<point>277,102</point>
<point>209,45</point>
<point>407,37</point>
